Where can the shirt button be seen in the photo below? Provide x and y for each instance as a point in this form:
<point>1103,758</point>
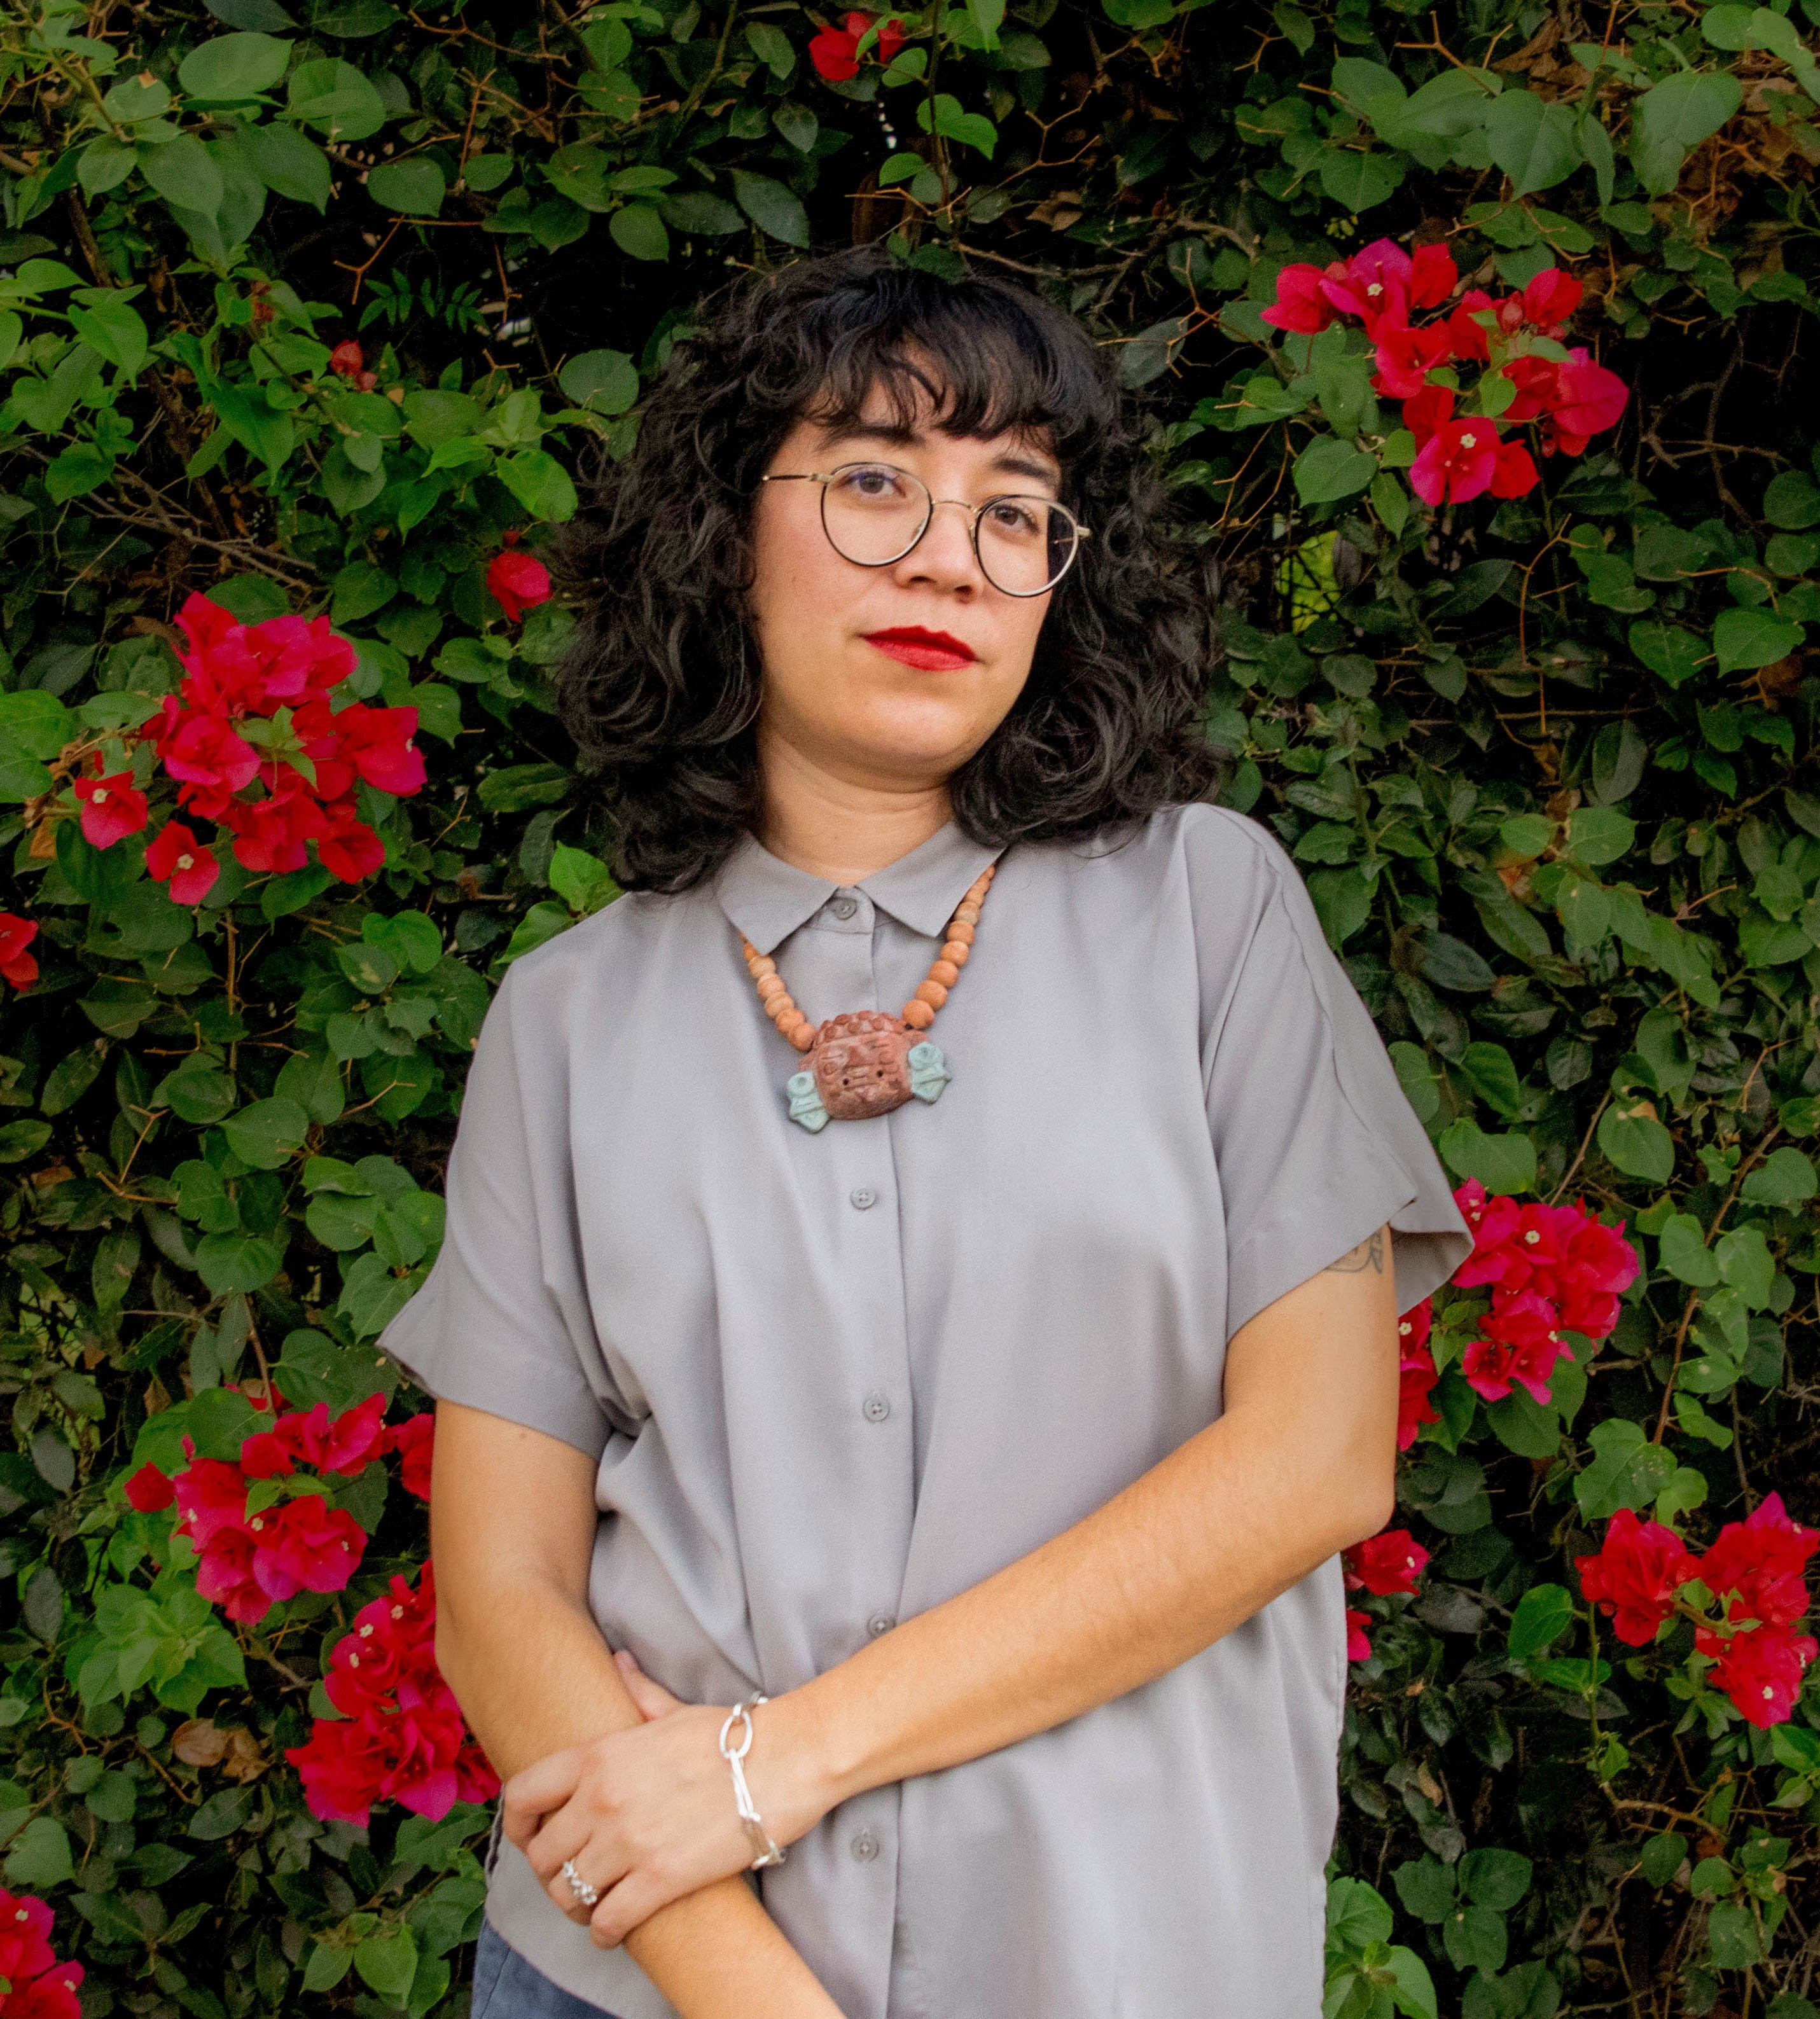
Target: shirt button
<point>880,1622</point>
<point>863,1196</point>
<point>865,1847</point>
<point>844,907</point>
<point>878,1407</point>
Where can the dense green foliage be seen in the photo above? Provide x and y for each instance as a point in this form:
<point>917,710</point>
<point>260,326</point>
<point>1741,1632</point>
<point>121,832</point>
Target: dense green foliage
<point>1548,763</point>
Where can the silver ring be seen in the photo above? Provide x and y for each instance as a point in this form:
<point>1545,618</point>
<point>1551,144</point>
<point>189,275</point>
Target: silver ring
<point>590,1896</point>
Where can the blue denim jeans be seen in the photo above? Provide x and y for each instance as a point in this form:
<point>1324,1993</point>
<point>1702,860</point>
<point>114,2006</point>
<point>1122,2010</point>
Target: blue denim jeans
<point>506,1987</point>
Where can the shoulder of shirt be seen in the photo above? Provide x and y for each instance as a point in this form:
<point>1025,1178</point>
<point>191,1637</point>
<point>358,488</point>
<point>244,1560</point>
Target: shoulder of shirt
<point>610,941</point>
<point>1216,842</point>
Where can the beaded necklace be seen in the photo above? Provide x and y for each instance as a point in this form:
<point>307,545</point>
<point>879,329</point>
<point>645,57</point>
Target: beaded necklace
<point>866,1063</point>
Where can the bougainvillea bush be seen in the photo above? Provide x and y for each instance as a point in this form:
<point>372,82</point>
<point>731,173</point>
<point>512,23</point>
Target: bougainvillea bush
<point>1475,343</point>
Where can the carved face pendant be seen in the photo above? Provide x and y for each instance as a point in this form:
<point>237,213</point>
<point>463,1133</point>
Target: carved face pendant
<point>862,1064</point>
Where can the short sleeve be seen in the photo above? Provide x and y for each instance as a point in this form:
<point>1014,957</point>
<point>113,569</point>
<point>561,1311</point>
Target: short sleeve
<point>502,1322</point>
<point>1316,1142</point>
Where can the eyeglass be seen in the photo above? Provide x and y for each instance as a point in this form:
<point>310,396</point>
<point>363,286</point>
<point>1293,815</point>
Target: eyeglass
<point>874,513</point>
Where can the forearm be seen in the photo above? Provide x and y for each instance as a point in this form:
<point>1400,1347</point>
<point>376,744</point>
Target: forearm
<point>534,1676</point>
<point>1186,1552</point>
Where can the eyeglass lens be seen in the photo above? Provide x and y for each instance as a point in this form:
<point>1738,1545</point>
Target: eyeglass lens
<point>875,512</point>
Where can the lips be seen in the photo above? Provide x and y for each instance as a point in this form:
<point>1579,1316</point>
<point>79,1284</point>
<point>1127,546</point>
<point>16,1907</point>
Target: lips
<point>930,651</point>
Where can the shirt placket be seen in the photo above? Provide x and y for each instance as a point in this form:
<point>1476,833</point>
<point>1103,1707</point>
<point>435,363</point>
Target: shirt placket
<point>866,1245</point>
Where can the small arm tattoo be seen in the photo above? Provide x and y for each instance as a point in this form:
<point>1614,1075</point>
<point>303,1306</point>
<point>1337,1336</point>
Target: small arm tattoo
<point>1368,1255</point>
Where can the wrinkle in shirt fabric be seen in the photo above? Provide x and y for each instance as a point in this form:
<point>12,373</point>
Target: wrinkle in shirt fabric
<point>832,1379</point>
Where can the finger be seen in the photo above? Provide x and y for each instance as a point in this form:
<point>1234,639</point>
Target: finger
<point>530,1795</point>
<point>625,1908</point>
<point>653,1700</point>
<point>563,1836</point>
<point>594,1867</point>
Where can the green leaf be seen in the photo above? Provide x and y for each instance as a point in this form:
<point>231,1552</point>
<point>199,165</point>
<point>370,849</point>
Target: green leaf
<point>1791,501</point>
<point>1662,1856</point>
<point>771,207</point>
<point>1357,1915</point>
<point>115,328</point>
<point>540,484</point>
<point>945,117</point>
<point>40,1857</point>
<point>1673,117</point>
<point>1630,1136</point>
<point>388,1962</point>
<point>1684,1253</point>
<point>1671,653</point>
<point>1329,469</point>
<point>604,382</point>
<point>1747,638</point>
<point>184,173</point>
<point>1536,142</point>
<point>1359,181</point>
<point>1627,1470</point>
<point>1425,1887</point>
<point>233,66</point>
<point>772,47</point>
<point>266,1134</point>
<point>223,1813</point>
<point>415,186</point>
<point>336,98</point>
<point>1784,1178</point>
<point>1502,1164</point>
<point>1599,835</point>
<point>1543,1613</point>
<point>518,786</point>
<point>638,230</point>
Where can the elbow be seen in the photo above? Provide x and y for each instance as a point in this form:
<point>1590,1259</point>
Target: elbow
<point>1364,1503</point>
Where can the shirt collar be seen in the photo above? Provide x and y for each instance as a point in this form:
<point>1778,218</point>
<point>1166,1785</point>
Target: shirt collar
<point>767,899</point>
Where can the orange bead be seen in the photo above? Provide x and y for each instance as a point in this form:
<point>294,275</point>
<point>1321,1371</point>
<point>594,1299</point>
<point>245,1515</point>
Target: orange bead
<point>761,966</point>
<point>918,1015</point>
<point>966,914</point>
<point>963,934</point>
<point>770,987</point>
<point>781,1009</point>
<point>933,993</point>
<point>801,1034</point>
<point>946,972</point>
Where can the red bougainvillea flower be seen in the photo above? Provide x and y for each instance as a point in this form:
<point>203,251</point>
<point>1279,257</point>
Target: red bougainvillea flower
<point>176,855</point>
<point>348,1444</point>
<point>346,360</point>
<point>148,1490</point>
<point>1515,475</point>
<point>378,742</point>
<point>51,1996</point>
<point>415,1442</point>
<point>1426,410</point>
<point>1417,1374</point>
<point>1301,304</point>
<point>25,1927</point>
<point>1550,299</point>
<point>225,1575</point>
<point>1761,1671</point>
<point>1521,1345</point>
<point>205,750</point>
<point>1639,1567</point>
<point>835,52</point>
<point>1358,1646</point>
<point>1406,356</point>
<point>1514,1245</point>
<point>1600,1266</point>
<point>18,966</point>
<point>305,1545</point>
<point>519,582</point>
<point>1759,1564</point>
<point>1591,400</point>
<point>348,847</point>
<point>1386,1563</point>
<point>111,808</point>
<point>1458,462</point>
<point>211,1497</point>
<point>1467,338</point>
<point>1382,279</point>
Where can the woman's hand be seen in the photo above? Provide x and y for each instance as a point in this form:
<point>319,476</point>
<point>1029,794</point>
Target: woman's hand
<point>647,1816</point>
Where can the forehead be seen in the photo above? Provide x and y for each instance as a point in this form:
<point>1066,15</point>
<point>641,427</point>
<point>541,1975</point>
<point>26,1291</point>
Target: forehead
<point>910,400</point>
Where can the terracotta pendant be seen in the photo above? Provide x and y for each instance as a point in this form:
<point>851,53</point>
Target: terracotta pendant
<point>862,1064</point>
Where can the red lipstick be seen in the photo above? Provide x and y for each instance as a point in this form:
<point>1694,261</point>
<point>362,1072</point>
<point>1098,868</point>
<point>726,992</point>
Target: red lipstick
<point>932,652</point>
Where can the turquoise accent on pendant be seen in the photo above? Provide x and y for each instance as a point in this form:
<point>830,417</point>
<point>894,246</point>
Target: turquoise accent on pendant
<point>928,1072</point>
<point>806,1101</point>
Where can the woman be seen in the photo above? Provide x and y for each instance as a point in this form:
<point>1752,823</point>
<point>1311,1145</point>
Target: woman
<point>991,1383</point>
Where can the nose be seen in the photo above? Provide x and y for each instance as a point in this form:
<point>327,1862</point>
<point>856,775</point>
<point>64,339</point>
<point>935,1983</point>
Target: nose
<point>945,556</point>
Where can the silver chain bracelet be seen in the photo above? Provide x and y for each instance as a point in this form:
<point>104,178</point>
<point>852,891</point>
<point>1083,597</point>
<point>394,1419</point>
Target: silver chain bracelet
<point>765,1850</point>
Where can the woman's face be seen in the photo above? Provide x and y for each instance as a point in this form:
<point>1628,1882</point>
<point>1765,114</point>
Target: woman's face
<point>891,675</point>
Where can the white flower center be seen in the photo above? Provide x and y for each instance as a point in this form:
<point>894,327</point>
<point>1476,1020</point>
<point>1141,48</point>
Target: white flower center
<point>1469,441</point>
<point>99,794</point>
<point>1376,288</point>
<point>186,861</point>
<point>1532,1237</point>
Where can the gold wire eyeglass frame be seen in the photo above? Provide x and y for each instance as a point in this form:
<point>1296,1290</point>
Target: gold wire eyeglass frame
<point>825,477</point>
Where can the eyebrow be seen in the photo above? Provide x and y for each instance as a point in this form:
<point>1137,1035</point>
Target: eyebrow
<point>893,436</point>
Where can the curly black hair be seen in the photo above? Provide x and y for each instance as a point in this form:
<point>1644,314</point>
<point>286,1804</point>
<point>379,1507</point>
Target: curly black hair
<point>660,687</point>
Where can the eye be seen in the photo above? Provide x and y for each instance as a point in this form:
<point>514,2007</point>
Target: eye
<point>872,483</point>
<point>1017,518</point>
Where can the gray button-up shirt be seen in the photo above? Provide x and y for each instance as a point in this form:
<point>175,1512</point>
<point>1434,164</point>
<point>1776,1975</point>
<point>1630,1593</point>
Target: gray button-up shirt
<point>832,1379</point>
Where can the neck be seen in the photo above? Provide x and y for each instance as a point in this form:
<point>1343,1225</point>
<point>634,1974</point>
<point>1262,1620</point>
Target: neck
<point>842,828</point>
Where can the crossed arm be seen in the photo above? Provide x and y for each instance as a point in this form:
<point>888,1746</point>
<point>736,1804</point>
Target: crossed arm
<point>606,1769</point>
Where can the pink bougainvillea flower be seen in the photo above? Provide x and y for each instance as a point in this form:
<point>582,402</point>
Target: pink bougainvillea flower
<point>305,1545</point>
<point>1590,399</point>
<point>174,855</point>
<point>16,965</point>
<point>1469,338</point>
<point>1515,475</point>
<point>206,750</point>
<point>378,742</point>
<point>1416,1374</point>
<point>1759,1671</point>
<point>211,1496</point>
<point>835,52</point>
<point>1406,356</point>
<point>112,809</point>
<point>1300,305</point>
<point>349,848</point>
<point>1372,284</point>
<point>148,1490</point>
<point>415,1442</point>
<point>1386,1563</point>
<point>346,1445</point>
<point>1550,299</point>
<point>1639,1567</point>
<point>51,1996</point>
<point>25,1929</point>
<point>1426,410</point>
<point>1358,1646</point>
<point>518,582</point>
<point>1600,1266</point>
<point>1537,382</point>
<point>225,1574</point>
<point>1760,1563</point>
<point>1458,462</point>
<point>1522,1344</point>
<point>347,360</point>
